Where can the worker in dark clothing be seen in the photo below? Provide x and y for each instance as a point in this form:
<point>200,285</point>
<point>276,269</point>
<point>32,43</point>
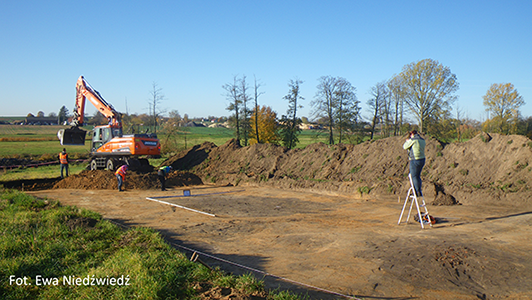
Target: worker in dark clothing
<point>163,171</point>
<point>63,161</point>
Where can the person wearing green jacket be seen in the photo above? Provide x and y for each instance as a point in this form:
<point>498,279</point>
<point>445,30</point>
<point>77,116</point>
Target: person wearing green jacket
<point>163,171</point>
<point>415,145</point>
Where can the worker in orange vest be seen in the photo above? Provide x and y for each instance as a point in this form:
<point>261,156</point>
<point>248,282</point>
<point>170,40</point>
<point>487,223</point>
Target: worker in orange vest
<point>121,176</point>
<point>63,161</point>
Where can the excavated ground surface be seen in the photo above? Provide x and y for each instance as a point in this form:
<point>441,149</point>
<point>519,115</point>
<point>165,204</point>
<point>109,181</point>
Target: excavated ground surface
<point>343,244</point>
<point>327,216</point>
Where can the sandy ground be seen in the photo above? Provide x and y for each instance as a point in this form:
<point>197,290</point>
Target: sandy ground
<point>344,244</point>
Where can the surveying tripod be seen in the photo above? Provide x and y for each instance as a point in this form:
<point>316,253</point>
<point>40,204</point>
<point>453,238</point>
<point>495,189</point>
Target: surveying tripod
<point>413,199</point>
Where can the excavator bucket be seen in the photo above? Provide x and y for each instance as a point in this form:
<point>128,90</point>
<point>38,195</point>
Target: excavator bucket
<point>72,136</point>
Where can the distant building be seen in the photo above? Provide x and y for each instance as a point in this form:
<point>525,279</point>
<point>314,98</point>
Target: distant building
<point>40,121</point>
<point>193,124</point>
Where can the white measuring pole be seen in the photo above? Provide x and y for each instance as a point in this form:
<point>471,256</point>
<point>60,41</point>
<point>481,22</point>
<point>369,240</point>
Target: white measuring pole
<point>181,206</point>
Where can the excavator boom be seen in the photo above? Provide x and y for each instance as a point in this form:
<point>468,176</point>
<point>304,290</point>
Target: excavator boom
<point>75,135</point>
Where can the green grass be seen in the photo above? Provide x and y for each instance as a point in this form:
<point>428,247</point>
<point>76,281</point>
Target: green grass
<point>39,173</point>
<point>35,149</point>
<point>49,251</point>
<point>32,141</point>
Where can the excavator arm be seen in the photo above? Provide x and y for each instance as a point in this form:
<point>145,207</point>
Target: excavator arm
<point>85,91</point>
<point>75,135</point>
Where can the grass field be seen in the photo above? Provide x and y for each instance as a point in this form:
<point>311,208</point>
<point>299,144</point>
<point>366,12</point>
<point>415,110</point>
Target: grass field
<point>52,171</point>
<point>21,141</point>
<point>49,251</point>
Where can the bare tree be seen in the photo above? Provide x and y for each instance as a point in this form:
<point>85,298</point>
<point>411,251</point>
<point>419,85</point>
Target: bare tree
<point>245,113</point>
<point>256,109</point>
<point>335,101</point>
<point>347,109</point>
<point>156,97</point>
<point>233,95</point>
<point>377,104</point>
<point>396,91</point>
<point>324,103</point>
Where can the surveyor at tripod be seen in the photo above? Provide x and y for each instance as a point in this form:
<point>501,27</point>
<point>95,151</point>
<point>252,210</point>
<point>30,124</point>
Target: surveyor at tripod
<point>415,145</point>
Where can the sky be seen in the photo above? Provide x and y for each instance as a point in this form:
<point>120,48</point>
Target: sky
<point>190,49</point>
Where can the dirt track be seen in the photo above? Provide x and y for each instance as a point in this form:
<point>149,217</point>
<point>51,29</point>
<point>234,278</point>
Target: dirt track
<point>347,245</point>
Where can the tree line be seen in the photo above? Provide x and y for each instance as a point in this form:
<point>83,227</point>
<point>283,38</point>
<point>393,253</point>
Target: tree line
<point>424,90</point>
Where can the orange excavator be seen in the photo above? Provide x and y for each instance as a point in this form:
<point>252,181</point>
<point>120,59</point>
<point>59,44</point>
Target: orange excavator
<point>110,148</point>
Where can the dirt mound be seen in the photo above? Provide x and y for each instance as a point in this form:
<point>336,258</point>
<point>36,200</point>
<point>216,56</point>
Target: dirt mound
<point>103,179</point>
<point>488,167</point>
<point>190,158</point>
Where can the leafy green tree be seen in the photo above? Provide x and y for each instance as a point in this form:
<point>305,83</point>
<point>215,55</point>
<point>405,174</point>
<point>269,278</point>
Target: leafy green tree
<point>290,123</point>
<point>63,114</point>
<point>428,89</point>
<point>172,132</point>
<point>503,102</point>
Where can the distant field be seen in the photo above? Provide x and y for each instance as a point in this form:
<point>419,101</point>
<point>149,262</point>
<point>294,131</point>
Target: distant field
<point>31,140</point>
<point>28,140</point>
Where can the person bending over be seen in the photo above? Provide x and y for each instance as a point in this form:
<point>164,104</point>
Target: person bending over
<point>163,171</point>
<point>121,176</point>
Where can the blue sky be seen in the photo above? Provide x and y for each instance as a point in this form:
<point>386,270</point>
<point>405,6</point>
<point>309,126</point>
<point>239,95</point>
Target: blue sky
<point>192,48</point>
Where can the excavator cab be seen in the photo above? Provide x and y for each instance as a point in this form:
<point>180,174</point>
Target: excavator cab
<point>103,134</point>
<point>72,136</point>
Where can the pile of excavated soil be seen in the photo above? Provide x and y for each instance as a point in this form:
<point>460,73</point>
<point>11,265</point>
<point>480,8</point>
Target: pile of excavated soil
<point>103,179</point>
<point>486,168</point>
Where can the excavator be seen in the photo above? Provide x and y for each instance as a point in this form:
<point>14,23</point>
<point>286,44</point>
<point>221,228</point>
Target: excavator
<point>110,148</point>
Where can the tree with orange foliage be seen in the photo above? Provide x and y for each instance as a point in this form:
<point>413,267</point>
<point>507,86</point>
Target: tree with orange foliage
<point>267,126</point>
